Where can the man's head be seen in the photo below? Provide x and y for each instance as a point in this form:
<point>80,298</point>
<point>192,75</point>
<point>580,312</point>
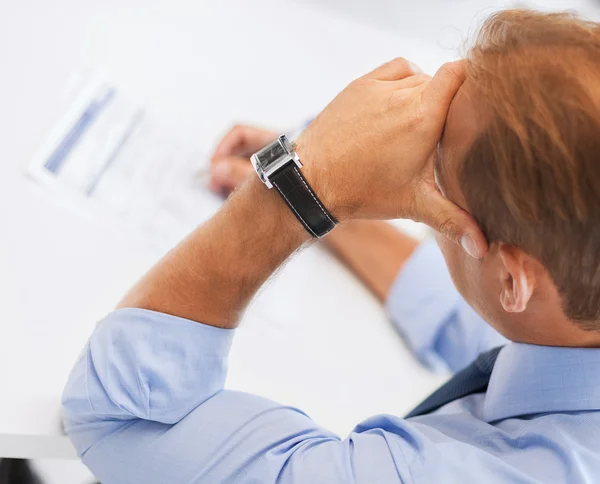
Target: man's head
<point>521,153</point>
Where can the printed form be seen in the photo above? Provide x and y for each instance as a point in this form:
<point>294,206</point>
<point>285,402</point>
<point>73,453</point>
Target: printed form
<point>108,157</point>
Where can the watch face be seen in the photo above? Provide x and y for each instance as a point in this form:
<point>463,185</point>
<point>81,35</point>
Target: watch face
<point>270,155</point>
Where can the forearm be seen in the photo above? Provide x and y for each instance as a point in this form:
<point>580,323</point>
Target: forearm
<point>361,164</point>
<point>212,275</point>
<point>374,250</point>
<point>146,382</point>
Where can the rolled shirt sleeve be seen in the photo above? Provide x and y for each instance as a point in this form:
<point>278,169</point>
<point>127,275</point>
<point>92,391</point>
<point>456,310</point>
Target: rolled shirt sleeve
<point>442,330</point>
<point>145,403</point>
<point>141,364</point>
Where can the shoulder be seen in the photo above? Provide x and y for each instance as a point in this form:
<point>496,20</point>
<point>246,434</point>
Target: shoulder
<point>558,447</point>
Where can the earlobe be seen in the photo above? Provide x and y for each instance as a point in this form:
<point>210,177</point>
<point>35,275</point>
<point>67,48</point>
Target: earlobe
<point>517,280</point>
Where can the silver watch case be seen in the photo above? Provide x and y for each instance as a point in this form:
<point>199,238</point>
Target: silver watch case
<point>273,157</point>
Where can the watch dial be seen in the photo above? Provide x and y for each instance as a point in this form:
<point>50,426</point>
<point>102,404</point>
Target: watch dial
<point>271,154</point>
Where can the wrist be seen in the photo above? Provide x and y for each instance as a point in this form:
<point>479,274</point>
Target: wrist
<point>272,214</point>
<point>316,168</point>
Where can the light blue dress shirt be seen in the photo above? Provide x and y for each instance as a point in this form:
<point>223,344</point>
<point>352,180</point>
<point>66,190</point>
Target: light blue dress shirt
<point>145,404</point>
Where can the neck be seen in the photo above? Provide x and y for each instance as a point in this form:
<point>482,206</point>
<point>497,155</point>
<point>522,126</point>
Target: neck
<point>540,328</point>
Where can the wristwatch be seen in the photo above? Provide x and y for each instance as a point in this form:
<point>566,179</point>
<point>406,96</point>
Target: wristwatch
<point>278,165</point>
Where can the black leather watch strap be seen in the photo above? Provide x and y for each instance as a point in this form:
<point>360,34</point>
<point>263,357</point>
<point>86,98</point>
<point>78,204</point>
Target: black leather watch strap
<point>300,197</point>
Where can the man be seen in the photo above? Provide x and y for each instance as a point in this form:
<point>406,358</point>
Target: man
<point>145,403</point>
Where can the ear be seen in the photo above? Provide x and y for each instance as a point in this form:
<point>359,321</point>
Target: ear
<point>517,278</point>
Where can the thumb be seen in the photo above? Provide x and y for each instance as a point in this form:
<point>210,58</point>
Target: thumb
<point>453,222</point>
<point>444,85</point>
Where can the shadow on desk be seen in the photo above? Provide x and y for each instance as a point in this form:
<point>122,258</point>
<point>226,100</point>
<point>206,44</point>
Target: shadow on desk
<point>17,471</point>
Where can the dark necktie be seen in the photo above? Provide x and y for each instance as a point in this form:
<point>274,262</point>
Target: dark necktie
<point>472,379</point>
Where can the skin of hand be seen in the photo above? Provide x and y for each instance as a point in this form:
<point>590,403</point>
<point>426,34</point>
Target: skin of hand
<point>367,155</point>
<point>395,86</point>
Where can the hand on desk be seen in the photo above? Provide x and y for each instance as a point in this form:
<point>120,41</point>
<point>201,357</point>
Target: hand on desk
<point>230,163</point>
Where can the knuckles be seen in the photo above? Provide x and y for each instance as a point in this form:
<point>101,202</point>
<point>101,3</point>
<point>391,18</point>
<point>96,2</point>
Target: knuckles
<point>422,78</point>
<point>362,84</point>
<point>401,63</point>
<point>452,70</point>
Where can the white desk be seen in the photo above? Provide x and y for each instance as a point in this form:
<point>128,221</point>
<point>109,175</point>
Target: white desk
<point>198,65</point>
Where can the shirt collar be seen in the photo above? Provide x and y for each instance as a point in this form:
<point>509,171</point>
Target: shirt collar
<point>529,379</point>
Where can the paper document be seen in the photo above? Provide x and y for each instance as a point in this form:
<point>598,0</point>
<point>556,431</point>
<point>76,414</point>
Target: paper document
<point>110,158</point>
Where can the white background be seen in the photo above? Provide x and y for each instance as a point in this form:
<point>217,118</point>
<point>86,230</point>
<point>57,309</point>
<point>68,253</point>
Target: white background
<point>199,66</point>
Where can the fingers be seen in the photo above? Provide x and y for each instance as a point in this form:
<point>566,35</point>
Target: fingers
<point>232,141</point>
<point>456,224</point>
<point>230,163</point>
<point>243,140</point>
<point>443,86</point>
<point>228,173</point>
<point>394,70</point>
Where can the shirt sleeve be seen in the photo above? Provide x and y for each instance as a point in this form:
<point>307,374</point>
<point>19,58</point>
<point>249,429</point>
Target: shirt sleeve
<point>145,403</point>
<point>442,330</point>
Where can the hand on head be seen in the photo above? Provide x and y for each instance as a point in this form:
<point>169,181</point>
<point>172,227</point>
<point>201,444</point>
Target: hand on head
<point>369,154</point>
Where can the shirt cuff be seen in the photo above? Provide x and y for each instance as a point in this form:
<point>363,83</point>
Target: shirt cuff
<point>421,301</point>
